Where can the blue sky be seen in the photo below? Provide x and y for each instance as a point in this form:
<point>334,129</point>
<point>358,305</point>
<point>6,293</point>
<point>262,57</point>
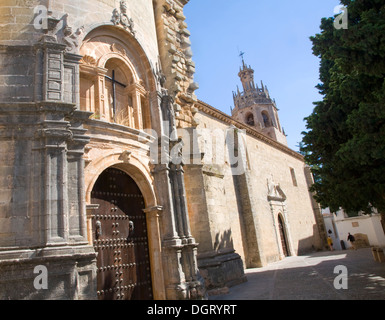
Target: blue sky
<point>274,35</point>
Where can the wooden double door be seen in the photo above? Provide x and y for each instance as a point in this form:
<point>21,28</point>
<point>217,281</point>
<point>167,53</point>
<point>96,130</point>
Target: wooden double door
<point>120,238</point>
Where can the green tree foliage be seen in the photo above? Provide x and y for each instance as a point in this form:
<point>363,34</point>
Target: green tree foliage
<point>345,138</point>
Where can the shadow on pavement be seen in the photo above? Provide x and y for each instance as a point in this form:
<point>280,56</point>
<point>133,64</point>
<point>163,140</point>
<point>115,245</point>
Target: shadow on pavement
<point>313,277</point>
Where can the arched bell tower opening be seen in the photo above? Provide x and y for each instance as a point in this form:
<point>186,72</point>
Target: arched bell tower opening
<point>266,119</point>
<point>250,120</point>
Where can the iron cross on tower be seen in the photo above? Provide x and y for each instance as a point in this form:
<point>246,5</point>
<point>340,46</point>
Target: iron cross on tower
<point>241,54</point>
<point>114,82</point>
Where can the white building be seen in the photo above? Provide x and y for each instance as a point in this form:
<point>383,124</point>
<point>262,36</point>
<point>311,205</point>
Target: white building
<point>367,227</point>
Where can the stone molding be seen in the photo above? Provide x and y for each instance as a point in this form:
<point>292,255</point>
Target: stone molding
<point>209,110</point>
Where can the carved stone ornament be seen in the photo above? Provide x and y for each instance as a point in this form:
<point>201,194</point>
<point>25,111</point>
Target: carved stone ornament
<point>71,39</point>
<point>56,136</point>
<point>125,156</point>
<point>58,31</point>
<point>51,28</point>
<point>121,18</point>
<point>115,47</point>
<point>160,76</point>
<point>274,191</point>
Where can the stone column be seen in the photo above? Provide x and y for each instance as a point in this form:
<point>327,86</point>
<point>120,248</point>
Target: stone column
<point>179,248</point>
<point>53,137</point>
<point>100,103</point>
<point>53,74</point>
<point>90,208</point>
<point>50,143</point>
<point>171,243</point>
<point>76,187</point>
<point>153,215</point>
<point>137,105</point>
<point>276,230</point>
<point>189,250</point>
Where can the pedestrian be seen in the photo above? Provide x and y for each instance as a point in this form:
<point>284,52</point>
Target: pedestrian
<point>330,243</point>
<point>352,241</point>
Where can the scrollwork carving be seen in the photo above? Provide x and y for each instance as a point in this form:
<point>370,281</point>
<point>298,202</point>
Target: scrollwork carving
<point>88,60</point>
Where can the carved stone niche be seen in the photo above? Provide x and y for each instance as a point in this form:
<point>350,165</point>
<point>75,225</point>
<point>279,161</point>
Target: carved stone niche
<point>275,192</point>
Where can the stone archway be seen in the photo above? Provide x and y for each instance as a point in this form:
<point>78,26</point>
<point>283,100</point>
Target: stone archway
<point>108,52</point>
<point>148,212</point>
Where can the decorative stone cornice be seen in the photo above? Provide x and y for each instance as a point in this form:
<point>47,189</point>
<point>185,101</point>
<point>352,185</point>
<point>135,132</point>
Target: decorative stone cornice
<point>207,109</point>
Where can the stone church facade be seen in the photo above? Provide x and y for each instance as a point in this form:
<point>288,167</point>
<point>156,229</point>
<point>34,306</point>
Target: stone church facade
<point>115,180</point>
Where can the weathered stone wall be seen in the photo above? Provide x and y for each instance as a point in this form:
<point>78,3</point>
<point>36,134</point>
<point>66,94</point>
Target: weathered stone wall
<point>42,184</point>
<point>42,210</point>
<point>17,74</point>
<point>175,55</point>
<point>266,162</point>
<point>71,275</point>
<point>18,19</point>
<point>23,29</point>
<point>51,153</point>
<point>244,198</point>
<point>175,47</point>
<point>212,205</point>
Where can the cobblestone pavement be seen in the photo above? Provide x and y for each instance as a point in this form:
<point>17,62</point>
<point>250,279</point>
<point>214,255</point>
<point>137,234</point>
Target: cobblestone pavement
<point>312,277</point>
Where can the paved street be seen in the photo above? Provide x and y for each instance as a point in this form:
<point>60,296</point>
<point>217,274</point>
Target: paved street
<point>312,278</point>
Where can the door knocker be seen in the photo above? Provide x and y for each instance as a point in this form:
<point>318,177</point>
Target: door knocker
<point>131,228</point>
<point>98,231</point>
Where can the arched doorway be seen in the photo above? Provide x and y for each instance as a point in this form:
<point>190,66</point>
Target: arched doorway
<point>282,233</point>
<point>120,238</point>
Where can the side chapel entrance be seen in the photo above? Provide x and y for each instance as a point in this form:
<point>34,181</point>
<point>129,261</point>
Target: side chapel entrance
<point>120,238</point>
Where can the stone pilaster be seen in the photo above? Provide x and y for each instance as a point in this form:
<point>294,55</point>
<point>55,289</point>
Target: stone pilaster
<point>76,164</point>
<point>46,167</point>
<point>244,193</point>
<point>182,280</point>
<point>153,215</point>
<point>321,237</point>
<point>53,137</point>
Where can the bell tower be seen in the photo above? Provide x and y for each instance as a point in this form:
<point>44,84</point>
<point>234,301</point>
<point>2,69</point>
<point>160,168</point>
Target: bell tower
<point>255,108</point>
<point>246,74</point>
